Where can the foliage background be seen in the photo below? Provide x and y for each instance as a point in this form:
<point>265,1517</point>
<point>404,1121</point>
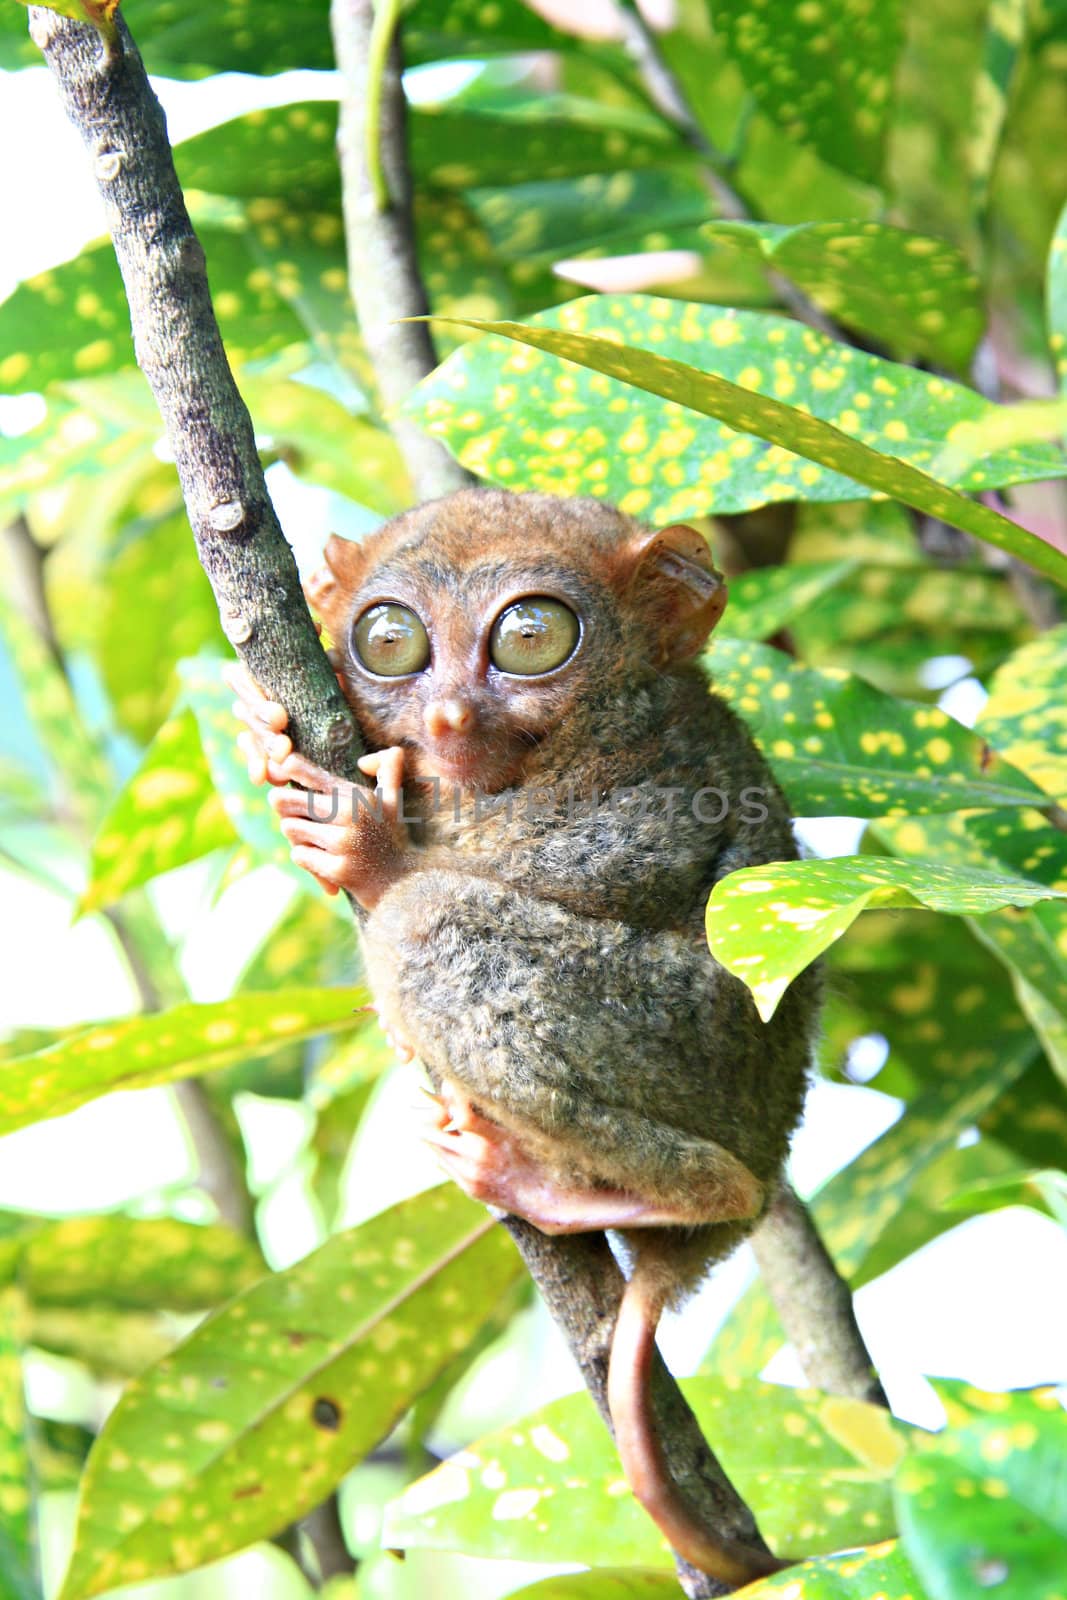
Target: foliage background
<point>903,169</point>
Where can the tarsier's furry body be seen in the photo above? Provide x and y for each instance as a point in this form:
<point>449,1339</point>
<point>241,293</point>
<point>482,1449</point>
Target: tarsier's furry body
<point>533,928</point>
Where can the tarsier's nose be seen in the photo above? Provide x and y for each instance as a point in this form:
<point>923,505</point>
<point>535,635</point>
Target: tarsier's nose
<point>448,716</point>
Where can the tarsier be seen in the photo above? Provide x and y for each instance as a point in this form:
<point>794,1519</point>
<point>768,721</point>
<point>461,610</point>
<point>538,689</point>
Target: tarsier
<point>557,793</point>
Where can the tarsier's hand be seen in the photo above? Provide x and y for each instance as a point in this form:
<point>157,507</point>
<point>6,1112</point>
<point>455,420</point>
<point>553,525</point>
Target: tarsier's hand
<point>352,837</point>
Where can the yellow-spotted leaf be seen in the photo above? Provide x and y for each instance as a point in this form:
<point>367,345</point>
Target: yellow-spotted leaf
<point>842,748</point>
<point>1004,43</point>
<point>528,422</point>
<point>1056,291</point>
<point>984,1504</point>
<point>268,152</point>
<point>1031,1118</point>
<point>1044,1190</point>
<point>112,1344</point>
<point>98,12</point>
<point>814,1469</point>
<point>55,715</point>
<point>190,1039</point>
<point>857,1207</point>
<point>626,1584</point>
<point>1026,713</point>
<point>157,608</point>
<point>916,295</point>
<point>769,598</point>
<point>882,1571</point>
<point>16,1536</point>
<point>169,813</point>
<point>72,321</point>
<point>922,600</point>
<point>211,703</point>
<point>824,73</point>
<point>765,924</point>
<point>136,1263</point>
<point>255,1418</point>
<point>1032,943</point>
<point>185,42</point>
<point>876,532</point>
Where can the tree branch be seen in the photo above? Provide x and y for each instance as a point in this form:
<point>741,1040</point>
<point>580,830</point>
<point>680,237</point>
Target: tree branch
<point>813,1301</point>
<point>107,96</point>
<point>383,272</point>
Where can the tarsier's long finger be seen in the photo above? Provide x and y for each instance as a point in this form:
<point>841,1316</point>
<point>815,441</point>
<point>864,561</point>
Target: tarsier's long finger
<point>251,695</point>
<point>254,757</point>
<point>295,768</point>
<point>386,767</point>
<point>327,870</point>
<point>328,836</point>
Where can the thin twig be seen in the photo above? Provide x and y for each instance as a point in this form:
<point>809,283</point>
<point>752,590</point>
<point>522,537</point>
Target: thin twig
<point>383,272</point>
<point>667,93</point>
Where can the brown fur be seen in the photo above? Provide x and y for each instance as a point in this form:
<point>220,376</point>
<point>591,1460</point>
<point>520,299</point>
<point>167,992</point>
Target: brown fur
<point>553,968</point>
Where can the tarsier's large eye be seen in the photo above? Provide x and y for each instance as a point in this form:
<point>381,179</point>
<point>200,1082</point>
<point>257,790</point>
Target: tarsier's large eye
<point>390,640</point>
<point>534,635</point>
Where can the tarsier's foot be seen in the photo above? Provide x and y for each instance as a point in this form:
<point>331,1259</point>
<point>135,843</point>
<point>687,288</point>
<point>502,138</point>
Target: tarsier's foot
<point>489,1163</point>
<point>346,835</point>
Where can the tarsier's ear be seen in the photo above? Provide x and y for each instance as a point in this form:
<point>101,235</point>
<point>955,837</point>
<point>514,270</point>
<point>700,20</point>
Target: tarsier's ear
<point>673,581</point>
<point>329,590</point>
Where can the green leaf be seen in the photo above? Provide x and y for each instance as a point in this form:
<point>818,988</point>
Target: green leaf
<point>855,1209</point>
<point>611,213</point>
<point>842,748</point>
<point>73,321</point>
<point>934,1205</point>
<point>212,705</point>
<point>253,1420</point>
<point>883,1573</point>
<point>577,435</point>
<point>814,1469</point>
<point>112,1344</point>
<point>56,719</point>
<point>769,598</point>
<point>158,607</point>
<point>134,1263</point>
<point>1026,713</point>
<point>878,599</point>
<point>16,1538</point>
<point>1056,290</point>
<point>856,1206</point>
<point>1004,42</point>
<point>544,136</point>
<point>168,813</point>
<point>1044,1190</point>
<point>288,149</point>
<point>1030,1120</point>
<point>806,905</point>
<point>1032,943</point>
<point>602,1585</point>
<point>186,41</point>
<point>913,293</point>
<point>985,1505</point>
<point>186,1041</point>
<point>823,73</point>
<point>279,151</point>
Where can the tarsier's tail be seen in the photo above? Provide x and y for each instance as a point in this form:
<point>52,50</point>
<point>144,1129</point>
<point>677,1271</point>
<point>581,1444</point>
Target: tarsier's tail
<point>641,1454</point>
